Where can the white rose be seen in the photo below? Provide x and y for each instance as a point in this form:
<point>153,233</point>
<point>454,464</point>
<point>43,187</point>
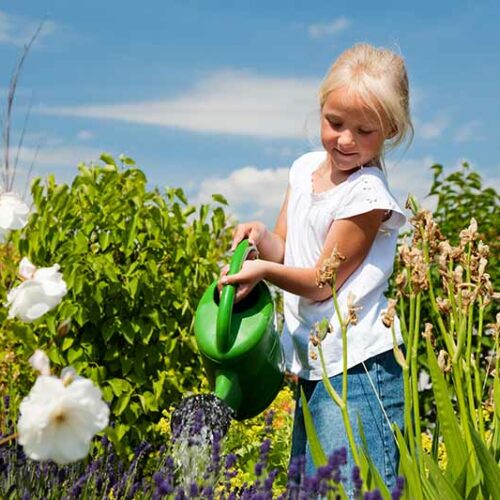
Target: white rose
<point>40,362</point>
<point>38,294</point>
<point>58,420</point>
<point>13,212</point>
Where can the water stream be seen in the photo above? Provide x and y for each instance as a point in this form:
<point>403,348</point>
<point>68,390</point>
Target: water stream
<point>198,425</point>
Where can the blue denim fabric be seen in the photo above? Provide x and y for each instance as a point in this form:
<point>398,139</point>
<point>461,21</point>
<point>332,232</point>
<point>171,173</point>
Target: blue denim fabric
<point>387,378</point>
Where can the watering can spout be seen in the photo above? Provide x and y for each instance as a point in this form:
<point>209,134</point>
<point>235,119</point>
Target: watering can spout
<point>227,388</point>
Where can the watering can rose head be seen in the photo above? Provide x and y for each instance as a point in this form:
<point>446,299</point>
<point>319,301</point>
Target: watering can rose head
<point>13,212</point>
<point>41,291</point>
<point>60,416</point>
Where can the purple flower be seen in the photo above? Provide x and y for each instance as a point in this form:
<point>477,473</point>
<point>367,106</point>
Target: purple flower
<point>373,495</point>
<point>259,467</point>
<point>398,489</point>
<point>231,459</point>
<point>194,490</point>
<point>162,487</point>
<point>356,480</point>
<point>269,481</point>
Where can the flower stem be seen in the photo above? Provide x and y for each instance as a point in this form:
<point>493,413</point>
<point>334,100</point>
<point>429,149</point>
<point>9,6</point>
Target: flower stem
<point>343,408</point>
<point>9,438</point>
<point>414,383</point>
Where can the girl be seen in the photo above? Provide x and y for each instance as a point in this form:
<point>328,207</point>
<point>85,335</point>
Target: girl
<point>339,199</point>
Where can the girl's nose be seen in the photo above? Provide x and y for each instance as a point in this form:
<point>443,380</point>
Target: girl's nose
<point>346,138</point>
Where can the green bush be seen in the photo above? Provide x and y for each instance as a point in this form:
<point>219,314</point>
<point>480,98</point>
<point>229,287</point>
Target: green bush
<point>135,262</point>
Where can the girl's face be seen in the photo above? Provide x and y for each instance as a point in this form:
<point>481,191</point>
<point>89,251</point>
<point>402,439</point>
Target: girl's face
<point>351,133</point>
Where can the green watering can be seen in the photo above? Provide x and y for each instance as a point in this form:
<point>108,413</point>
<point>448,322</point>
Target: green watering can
<point>239,344</point>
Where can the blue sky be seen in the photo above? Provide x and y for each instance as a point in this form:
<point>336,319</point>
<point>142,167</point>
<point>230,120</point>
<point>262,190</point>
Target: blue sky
<point>221,96</point>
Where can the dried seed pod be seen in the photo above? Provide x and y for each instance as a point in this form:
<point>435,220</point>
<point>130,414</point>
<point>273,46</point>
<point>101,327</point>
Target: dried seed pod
<point>325,275</point>
<point>444,361</point>
<point>458,275</point>
<point>352,309</point>
<point>444,305</point>
<point>483,250</point>
<point>470,234</point>
<point>389,313</point>
<point>427,333</point>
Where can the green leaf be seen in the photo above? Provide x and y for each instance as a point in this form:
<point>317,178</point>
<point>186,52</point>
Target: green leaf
<point>119,385</point>
<point>455,444</point>
<point>108,159</point>
<point>489,467</point>
<point>74,354</point>
<point>122,404</point>
<point>220,199</point>
<point>368,468</point>
<point>409,467</point>
<point>317,454</point>
<point>440,481</point>
<point>67,343</point>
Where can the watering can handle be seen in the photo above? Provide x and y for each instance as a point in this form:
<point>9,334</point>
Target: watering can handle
<point>224,342</point>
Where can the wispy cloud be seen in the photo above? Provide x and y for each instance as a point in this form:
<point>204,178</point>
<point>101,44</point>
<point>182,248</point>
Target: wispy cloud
<point>226,102</point>
<point>57,156</point>
<point>328,29</point>
<point>84,135</point>
<point>411,176</point>
<point>251,192</point>
<point>471,131</point>
<point>17,30</point>
<point>432,129</point>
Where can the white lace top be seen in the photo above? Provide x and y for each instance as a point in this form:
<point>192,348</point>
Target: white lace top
<point>309,218</point>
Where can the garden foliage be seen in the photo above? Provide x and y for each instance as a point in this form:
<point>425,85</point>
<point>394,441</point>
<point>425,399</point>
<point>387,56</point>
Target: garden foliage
<point>136,262</point>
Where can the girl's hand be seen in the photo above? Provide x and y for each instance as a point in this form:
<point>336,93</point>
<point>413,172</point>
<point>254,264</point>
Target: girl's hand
<point>255,231</point>
<point>250,274</point>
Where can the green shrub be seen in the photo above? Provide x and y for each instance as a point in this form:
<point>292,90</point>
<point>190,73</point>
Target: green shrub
<point>135,262</point>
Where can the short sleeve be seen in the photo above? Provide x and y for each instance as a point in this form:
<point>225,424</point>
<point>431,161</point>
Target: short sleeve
<point>366,192</point>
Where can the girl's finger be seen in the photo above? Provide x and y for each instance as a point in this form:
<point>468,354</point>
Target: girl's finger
<point>239,234</point>
<point>254,236</point>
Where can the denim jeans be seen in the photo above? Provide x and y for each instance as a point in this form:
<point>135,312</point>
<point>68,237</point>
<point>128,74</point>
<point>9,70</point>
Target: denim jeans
<point>386,376</point>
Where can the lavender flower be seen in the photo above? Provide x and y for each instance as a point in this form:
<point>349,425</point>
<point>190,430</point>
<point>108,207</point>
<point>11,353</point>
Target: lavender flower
<point>373,495</point>
<point>398,489</point>
<point>356,480</point>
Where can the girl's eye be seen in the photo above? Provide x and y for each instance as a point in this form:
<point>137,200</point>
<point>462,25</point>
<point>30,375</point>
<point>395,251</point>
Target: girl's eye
<point>365,132</point>
<point>334,124</point>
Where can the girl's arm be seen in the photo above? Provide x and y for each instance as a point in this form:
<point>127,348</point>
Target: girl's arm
<point>353,238</point>
<point>271,245</point>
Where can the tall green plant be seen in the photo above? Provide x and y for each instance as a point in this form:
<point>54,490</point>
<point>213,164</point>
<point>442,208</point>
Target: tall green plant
<point>455,282</point>
<point>135,262</point>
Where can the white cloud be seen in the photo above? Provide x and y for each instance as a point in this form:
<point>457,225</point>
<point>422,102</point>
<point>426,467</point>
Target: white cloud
<point>252,193</point>
<point>411,176</point>
<point>471,131</point>
<point>85,135</point>
<point>328,29</point>
<point>17,30</point>
<point>62,155</point>
<point>432,129</point>
<point>56,158</point>
<point>226,102</point>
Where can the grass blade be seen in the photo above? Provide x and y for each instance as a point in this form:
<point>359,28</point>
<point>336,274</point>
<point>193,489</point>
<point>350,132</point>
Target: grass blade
<point>409,469</point>
<point>369,471</point>
<point>489,467</point>
<point>456,448</point>
<point>440,481</point>
<point>317,454</point>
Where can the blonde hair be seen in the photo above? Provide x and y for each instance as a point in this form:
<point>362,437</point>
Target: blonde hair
<point>378,77</point>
